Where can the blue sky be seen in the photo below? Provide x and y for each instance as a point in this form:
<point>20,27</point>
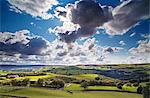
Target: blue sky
<point>15,18</point>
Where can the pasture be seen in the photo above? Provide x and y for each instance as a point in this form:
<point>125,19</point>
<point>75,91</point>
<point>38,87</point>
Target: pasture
<point>48,93</point>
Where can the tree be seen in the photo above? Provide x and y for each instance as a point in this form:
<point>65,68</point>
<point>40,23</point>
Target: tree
<point>146,91</point>
<point>57,84</point>
<point>97,78</point>
<point>135,84</point>
<point>139,89</point>
<point>84,85</point>
<point>14,82</point>
<point>41,82</point>
<point>119,85</point>
<point>25,82</point>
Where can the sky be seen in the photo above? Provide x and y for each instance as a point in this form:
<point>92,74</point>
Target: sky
<point>71,32</point>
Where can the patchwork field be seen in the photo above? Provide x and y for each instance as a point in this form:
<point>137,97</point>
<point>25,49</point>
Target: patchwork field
<point>47,93</point>
<point>108,81</point>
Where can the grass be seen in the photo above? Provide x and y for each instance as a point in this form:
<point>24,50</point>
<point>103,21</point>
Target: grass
<point>47,93</point>
<point>76,87</point>
<point>87,76</point>
<point>3,72</point>
<point>73,87</point>
<point>93,76</point>
<point>35,78</point>
<point>129,88</point>
<point>103,88</point>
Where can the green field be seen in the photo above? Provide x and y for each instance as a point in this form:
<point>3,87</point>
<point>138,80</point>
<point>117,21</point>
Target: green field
<point>47,93</point>
<point>35,78</point>
<point>98,84</point>
<point>87,76</point>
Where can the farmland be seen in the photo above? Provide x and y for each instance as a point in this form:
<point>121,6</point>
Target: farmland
<point>47,93</point>
<point>107,81</point>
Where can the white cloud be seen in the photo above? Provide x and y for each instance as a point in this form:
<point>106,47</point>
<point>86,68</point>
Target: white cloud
<point>19,36</point>
<point>67,26</point>
<point>143,48</point>
<point>132,34</point>
<point>35,8</point>
<point>142,52</point>
<point>13,8</point>
<point>147,36</point>
<point>65,17</point>
<point>122,43</point>
<point>45,52</point>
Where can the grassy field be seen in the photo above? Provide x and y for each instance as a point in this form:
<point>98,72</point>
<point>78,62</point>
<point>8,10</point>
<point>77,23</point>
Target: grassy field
<point>87,76</point>
<point>71,75</point>
<point>35,78</point>
<point>93,76</point>
<point>73,87</point>
<point>76,87</point>
<point>3,73</point>
<point>47,93</point>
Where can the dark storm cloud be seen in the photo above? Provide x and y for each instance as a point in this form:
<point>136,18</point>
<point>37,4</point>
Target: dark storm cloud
<point>88,14</point>
<point>33,45</point>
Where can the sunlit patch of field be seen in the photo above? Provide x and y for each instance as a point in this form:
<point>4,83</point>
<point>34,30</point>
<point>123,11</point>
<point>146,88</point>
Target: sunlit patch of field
<point>35,78</point>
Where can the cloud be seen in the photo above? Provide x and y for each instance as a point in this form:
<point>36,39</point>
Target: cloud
<point>20,43</point>
<point>122,43</point>
<point>35,8</point>
<point>22,47</point>
<point>81,19</point>
<point>131,35</point>
<point>141,52</point>
<point>143,48</point>
<point>147,36</point>
<point>127,15</point>
<point>112,49</point>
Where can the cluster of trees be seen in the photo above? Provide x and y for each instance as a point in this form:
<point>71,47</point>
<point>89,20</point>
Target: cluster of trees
<point>26,74</point>
<point>53,83</point>
<point>24,82</point>
<point>66,79</point>
<point>145,90</point>
<point>14,82</point>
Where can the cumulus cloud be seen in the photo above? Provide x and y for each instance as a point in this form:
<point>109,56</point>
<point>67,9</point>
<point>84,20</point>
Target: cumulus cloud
<point>136,60</point>
<point>23,48</point>
<point>147,36</point>
<point>20,43</point>
<point>82,18</point>
<point>141,53</point>
<point>122,43</point>
<point>143,48</point>
<point>35,8</point>
<point>127,15</point>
